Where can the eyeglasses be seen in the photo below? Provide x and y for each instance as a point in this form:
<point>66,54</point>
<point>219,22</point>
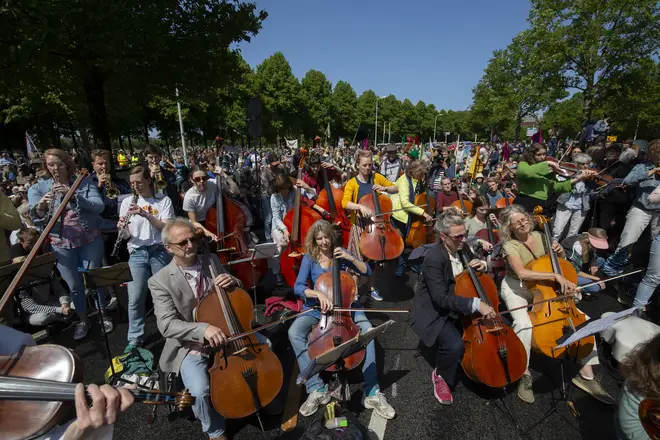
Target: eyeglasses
<point>521,222</point>
<point>186,241</point>
<point>457,238</point>
<point>200,179</point>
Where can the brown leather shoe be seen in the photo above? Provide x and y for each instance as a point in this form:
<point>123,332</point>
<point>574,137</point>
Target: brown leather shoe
<point>222,437</point>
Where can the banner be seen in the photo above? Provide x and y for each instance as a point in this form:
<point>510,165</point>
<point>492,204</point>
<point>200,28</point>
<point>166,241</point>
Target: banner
<point>30,147</point>
<point>291,145</point>
<point>340,142</point>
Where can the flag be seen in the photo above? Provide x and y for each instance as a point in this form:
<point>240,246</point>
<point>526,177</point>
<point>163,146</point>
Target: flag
<point>31,148</point>
<point>365,144</point>
<point>292,145</point>
<point>327,131</point>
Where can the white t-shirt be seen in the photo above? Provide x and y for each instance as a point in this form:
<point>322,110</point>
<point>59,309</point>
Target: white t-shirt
<point>200,203</point>
<point>142,232</point>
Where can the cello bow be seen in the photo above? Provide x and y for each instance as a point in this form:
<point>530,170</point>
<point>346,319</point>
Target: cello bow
<point>40,241</point>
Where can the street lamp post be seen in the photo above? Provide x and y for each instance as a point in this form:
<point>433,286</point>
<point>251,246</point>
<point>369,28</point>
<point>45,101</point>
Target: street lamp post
<point>435,125</point>
<point>376,127</point>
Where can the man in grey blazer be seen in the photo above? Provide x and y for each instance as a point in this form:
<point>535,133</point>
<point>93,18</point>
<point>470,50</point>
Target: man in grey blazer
<point>176,291</point>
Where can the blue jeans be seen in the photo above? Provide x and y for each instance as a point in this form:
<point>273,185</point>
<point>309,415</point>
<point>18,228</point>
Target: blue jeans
<point>636,221</point>
<point>651,277</point>
<point>591,289</point>
<point>68,262</point>
<point>268,216</point>
<point>298,333</point>
<point>144,262</point>
<point>195,376</point>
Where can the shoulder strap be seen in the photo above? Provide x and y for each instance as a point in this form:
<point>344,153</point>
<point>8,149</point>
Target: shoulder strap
<point>530,249</point>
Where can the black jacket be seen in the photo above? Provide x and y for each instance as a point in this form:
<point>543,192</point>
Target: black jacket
<point>434,296</point>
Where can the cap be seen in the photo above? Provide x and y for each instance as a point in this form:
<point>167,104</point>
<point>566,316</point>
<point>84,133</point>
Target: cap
<point>598,243</point>
<point>479,176</point>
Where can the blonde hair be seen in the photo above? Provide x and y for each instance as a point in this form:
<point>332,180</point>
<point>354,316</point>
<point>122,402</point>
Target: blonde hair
<point>506,231</point>
<point>415,167</point>
<point>587,249</point>
<point>360,154</point>
<point>64,157</point>
<point>319,227</point>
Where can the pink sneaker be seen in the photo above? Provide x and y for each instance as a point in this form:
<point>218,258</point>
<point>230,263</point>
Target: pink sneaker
<point>441,389</point>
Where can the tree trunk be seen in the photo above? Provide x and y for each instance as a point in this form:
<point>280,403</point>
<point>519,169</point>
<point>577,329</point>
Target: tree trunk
<point>146,132</point>
<point>73,135</point>
<point>518,121</point>
<point>94,83</point>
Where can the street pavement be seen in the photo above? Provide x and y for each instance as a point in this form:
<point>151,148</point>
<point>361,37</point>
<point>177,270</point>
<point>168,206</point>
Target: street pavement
<point>405,378</point>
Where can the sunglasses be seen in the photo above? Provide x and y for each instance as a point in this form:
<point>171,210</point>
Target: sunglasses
<point>457,238</point>
<point>191,241</point>
<point>200,179</point>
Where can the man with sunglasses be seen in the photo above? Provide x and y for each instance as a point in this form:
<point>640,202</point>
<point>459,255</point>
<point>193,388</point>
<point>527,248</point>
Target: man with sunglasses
<point>203,195</point>
<point>436,308</point>
<point>177,290</point>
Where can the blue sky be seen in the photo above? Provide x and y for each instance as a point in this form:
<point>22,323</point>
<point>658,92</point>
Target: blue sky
<point>430,50</point>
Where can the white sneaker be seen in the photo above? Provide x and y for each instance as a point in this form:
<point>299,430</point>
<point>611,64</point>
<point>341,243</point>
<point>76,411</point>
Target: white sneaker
<point>379,403</point>
<point>81,331</point>
<point>107,324</point>
<point>112,304</point>
<point>313,401</point>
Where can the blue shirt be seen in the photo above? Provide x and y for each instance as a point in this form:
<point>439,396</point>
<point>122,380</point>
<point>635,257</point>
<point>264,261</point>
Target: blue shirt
<point>309,272</point>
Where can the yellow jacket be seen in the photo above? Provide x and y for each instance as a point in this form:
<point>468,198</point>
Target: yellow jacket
<point>122,160</point>
<point>352,188</point>
<point>401,201</point>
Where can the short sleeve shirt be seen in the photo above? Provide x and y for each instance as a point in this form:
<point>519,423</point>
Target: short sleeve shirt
<point>200,203</point>
<point>518,249</point>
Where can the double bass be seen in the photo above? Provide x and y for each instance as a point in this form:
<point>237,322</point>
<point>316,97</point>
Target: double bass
<point>554,319</point>
<point>494,355</point>
<point>298,221</point>
<point>37,386</point>
<point>335,328</point>
<point>228,219</point>
<point>246,375</point>
<point>379,240</point>
<point>332,204</point>
<point>420,232</point>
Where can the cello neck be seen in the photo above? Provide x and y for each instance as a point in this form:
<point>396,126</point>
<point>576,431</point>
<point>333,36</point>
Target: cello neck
<point>233,324</point>
<point>474,277</point>
<point>328,191</point>
<point>554,258</point>
<point>375,196</point>
<point>219,207</point>
<point>489,226</point>
<point>336,283</point>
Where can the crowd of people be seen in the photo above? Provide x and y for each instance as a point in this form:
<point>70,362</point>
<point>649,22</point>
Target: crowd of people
<point>150,209</point>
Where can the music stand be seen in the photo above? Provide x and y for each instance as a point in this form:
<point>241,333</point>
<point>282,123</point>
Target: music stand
<point>105,277</point>
<point>261,251</point>
<point>39,272</point>
<point>337,355</point>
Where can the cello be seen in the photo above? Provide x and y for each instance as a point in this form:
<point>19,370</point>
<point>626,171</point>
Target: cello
<point>228,219</point>
<point>336,327</point>
<point>246,375</point>
<point>463,205</point>
<point>337,215</point>
<point>298,221</point>
<point>37,384</point>
<point>420,232</point>
<point>554,319</point>
<point>379,239</point>
<point>505,201</point>
<point>494,355</point>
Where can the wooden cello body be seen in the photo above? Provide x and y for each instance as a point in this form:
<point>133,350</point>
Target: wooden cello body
<point>506,200</point>
<point>379,240</point>
<point>420,233</point>
<point>494,355</point>
<point>492,236</point>
<point>553,320</point>
<point>333,205</point>
<point>335,328</point>
<point>246,375</point>
<point>463,205</point>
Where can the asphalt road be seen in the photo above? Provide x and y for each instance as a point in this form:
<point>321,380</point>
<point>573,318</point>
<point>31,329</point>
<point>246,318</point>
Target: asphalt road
<point>405,378</point>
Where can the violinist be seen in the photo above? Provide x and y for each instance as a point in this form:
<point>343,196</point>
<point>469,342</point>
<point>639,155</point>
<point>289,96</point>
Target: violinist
<point>176,291</point>
<point>361,185</point>
<point>147,255</point>
<point>521,246</point>
<point>410,185</point>
<point>321,247</point>
<point>203,195</point>
<point>535,181</point>
<point>435,306</point>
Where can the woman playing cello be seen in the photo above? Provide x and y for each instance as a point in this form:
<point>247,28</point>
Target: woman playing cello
<point>522,245</point>
<point>410,184</point>
<point>320,246</point>
<point>361,185</point>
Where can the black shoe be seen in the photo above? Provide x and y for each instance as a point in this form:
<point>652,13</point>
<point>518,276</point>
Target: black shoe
<point>279,280</point>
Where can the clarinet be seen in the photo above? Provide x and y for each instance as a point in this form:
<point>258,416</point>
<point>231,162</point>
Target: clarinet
<point>115,250</point>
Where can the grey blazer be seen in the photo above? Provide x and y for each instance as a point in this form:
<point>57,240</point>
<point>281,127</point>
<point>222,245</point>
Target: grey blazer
<point>174,303</point>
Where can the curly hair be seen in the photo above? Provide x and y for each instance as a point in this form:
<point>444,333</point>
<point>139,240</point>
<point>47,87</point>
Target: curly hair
<point>319,227</point>
<point>506,229</point>
<point>530,152</point>
<point>642,368</point>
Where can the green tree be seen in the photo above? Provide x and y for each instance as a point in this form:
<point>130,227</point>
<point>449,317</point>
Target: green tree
<point>366,112</point>
<point>567,114</point>
<point>279,90</point>
<point>344,110</point>
<point>316,95</point>
<point>591,42</point>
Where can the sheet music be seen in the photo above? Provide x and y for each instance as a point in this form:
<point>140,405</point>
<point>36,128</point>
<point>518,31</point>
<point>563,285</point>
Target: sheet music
<point>596,326</point>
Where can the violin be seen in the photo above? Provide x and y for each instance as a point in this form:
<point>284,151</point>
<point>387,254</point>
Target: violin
<point>297,221</point>
<point>554,319</point>
<point>333,206</point>
<point>336,327</point>
<point>420,232</point>
<point>379,240</point>
<point>246,375</point>
<point>494,355</point>
<point>37,388</point>
<point>228,220</point>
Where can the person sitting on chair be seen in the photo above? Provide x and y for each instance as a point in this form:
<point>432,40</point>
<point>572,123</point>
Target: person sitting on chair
<point>177,289</point>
